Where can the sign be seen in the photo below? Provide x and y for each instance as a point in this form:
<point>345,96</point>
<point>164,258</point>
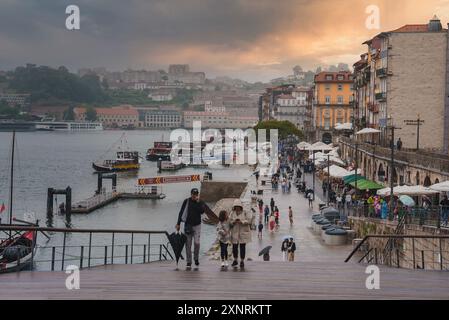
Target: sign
<point>169,179</point>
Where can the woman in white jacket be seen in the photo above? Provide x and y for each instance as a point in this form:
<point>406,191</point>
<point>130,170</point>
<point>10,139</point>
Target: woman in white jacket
<point>240,222</point>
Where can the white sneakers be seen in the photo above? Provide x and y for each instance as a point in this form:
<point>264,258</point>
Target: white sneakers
<point>224,264</point>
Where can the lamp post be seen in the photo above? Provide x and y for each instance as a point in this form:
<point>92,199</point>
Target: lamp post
<point>328,177</point>
<point>313,175</point>
<point>392,127</point>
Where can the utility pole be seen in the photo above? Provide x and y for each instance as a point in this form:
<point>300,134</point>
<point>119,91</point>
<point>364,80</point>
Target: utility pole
<point>418,122</point>
<point>392,127</point>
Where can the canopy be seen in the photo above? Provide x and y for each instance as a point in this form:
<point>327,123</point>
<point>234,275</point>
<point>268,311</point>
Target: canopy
<point>407,190</point>
<point>343,126</point>
<point>368,130</point>
<point>352,178</point>
<point>303,145</point>
<point>336,171</point>
<point>320,146</point>
<point>442,186</point>
<point>366,185</point>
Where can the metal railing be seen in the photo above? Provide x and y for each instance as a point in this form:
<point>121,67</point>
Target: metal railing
<point>406,251</point>
<point>432,216</point>
<point>87,248</point>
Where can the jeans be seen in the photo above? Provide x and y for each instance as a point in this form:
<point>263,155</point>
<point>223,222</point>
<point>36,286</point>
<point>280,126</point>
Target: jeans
<point>445,216</point>
<point>224,251</point>
<point>235,251</point>
<point>195,236</point>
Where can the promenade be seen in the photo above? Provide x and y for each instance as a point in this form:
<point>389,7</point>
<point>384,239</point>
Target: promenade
<point>317,273</point>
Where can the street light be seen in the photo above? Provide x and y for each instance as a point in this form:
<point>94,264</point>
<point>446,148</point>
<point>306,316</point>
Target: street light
<point>328,177</point>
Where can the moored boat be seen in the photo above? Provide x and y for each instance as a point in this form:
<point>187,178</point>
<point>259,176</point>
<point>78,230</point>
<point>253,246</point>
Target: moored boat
<point>125,161</point>
<point>16,253</point>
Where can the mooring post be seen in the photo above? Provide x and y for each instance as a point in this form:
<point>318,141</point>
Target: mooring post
<point>99,183</point>
<point>68,206</point>
<point>50,207</point>
<point>114,182</point>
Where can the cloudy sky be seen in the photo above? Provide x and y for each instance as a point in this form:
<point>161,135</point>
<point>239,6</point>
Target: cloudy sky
<point>254,40</point>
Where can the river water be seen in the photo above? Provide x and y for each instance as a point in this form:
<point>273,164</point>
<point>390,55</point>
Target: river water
<point>59,159</point>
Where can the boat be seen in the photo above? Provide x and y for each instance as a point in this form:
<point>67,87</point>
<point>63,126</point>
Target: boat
<point>18,248</point>
<point>17,252</point>
<point>125,161</point>
<point>160,151</point>
<point>44,127</point>
<point>70,126</point>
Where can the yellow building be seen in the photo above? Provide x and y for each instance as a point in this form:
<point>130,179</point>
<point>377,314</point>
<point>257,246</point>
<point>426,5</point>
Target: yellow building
<point>333,96</point>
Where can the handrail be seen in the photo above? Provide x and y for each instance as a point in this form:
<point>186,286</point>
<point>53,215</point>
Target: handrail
<point>395,236</point>
<point>46,229</point>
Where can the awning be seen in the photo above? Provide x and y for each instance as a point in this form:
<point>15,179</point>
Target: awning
<point>442,186</point>
<point>352,178</point>
<point>407,190</point>
<point>336,171</point>
<point>366,185</point>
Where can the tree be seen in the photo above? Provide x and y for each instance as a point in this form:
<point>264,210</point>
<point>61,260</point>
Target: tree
<point>91,114</point>
<point>285,128</point>
<point>69,114</point>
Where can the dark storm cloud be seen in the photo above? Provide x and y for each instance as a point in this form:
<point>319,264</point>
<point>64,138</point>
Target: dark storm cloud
<point>256,38</point>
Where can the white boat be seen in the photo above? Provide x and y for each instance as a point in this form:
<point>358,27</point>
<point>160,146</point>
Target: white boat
<point>69,126</point>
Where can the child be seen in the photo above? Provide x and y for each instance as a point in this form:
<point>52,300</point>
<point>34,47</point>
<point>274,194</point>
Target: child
<point>223,236</point>
<point>260,229</point>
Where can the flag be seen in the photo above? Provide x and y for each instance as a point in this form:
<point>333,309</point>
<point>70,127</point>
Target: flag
<point>2,207</point>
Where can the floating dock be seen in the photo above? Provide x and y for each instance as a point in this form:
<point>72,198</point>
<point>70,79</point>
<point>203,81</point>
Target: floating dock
<point>99,201</point>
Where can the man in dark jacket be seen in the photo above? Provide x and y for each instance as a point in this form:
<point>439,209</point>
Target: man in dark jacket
<point>190,213</point>
<point>291,248</point>
<point>445,210</point>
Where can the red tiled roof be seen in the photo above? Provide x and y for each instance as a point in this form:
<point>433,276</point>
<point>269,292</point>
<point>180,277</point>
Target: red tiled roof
<point>413,28</point>
<point>321,77</point>
<point>203,113</point>
<point>286,96</point>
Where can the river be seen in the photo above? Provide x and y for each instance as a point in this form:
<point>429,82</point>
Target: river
<point>61,159</point>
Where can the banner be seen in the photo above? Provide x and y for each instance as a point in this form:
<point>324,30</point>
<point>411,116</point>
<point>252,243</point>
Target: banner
<point>169,179</point>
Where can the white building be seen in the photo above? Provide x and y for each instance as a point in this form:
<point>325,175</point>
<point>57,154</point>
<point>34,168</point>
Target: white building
<point>218,120</point>
<point>160,97</point>
<point>166,119</point>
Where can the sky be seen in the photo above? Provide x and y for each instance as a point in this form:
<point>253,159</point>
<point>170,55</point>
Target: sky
<point>254,40</point>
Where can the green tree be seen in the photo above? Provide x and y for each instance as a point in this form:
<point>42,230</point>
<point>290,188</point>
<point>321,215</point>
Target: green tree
<point>91,114</point>
<point>69,114</point>
<point>285,128</point>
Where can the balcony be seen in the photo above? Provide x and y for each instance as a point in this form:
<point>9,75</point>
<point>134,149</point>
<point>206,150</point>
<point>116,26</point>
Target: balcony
<point>381,73</point>
<point>373,107</point>
<point>381,96</point>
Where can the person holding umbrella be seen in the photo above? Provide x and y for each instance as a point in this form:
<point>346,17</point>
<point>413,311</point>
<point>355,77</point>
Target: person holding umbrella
<point>190,213</point>
<point>240,222</point>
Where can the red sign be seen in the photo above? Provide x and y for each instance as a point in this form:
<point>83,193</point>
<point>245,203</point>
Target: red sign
<point>169,179</point>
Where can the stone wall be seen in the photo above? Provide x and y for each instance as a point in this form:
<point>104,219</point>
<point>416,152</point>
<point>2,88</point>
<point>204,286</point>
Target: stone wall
<point>213,191</point>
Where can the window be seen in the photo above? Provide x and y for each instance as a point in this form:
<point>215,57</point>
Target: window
<point>340,87</point>
<point>329,77</point>
<point>328,86</point>
<point>341,77</point>
<point>328,100</point>
<point>340,99</point>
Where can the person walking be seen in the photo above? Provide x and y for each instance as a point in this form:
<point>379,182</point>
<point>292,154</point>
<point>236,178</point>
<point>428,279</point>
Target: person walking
<point>399,144</point>
<point>284,247</point>
<point>267,214</point>
<point>240,221</point>
<point>191,210</point>
<point>291,248</point>
<point>260,228</point>
<point>276,216</point>
<point>445,210</point>
<point>348,201</point>
<point>290,215</point>
<point>223,236</point>
<point>272,223</point>
<point>272,203</point>
<point>310,197</point>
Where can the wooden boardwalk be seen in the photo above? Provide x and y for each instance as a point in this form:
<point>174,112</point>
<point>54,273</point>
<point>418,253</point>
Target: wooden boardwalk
<point>318,273</point>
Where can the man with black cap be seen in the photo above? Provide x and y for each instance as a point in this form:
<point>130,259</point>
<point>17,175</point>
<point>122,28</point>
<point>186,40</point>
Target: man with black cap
<point>191,210</point>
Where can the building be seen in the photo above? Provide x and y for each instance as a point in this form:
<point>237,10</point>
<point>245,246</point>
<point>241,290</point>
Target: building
<point>218,120</point>
<point>15,99</point>
<point>333,96</point>
<point>182,73</point>
<point>114,117</point>
<point>409,78</point>
<point>160,96</point>
<point>163,119</point>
